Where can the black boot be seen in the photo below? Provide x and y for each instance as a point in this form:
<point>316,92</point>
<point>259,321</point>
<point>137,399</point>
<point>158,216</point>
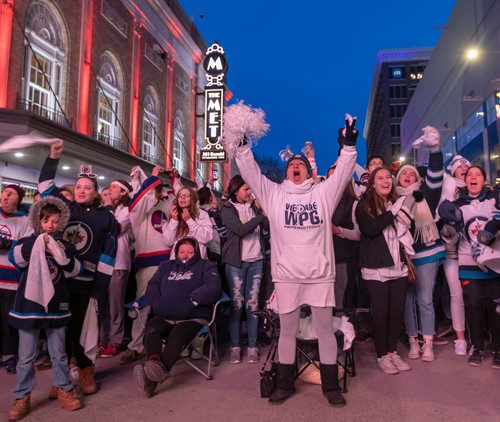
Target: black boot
<point>285,381</point>
<point>330,384</point>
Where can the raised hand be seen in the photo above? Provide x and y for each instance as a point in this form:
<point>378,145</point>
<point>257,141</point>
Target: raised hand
<point>157,170</point>
<point>174,213</point>
<point>348,134</point>
<point>56,149</point>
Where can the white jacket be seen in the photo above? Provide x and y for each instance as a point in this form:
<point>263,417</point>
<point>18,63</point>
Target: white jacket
<point>300,218</point>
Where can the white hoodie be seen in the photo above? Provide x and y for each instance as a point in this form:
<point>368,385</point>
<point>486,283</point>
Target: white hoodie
<point>300,219</point>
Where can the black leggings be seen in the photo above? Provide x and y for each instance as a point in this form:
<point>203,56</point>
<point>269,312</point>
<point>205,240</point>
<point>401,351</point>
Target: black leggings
<point>178,336</point>
<point>478,299</point>
<point>388,304</point>
<point>78,306</point>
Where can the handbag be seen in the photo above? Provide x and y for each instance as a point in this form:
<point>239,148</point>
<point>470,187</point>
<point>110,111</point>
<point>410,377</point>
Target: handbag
<point>268,376</point>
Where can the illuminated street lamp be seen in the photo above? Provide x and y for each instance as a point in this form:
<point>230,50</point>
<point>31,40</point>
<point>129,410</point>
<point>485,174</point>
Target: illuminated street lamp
<point>402,158</point>
<point>472,53</point>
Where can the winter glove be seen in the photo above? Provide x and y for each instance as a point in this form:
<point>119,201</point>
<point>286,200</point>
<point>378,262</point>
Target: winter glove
<point>485,237</point>
<point>418,195</point>
<point>5,243</point>
<point>451,214</point>
<point>348,134</point>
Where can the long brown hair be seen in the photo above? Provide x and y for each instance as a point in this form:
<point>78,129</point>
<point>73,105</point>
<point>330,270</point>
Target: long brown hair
<point>194,212</point>
<point>374,204</point>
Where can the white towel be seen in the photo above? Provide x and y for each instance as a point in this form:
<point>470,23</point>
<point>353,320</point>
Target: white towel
<point>25,141</point>
<point>39,285</point>
<point>90,331</point>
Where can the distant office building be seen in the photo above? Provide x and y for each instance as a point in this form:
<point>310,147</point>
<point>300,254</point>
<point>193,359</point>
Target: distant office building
<point>460,94</point>
<point>118,80</point>
<point>397,74</point>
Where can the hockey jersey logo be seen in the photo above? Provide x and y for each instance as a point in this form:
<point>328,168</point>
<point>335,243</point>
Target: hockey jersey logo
<point>472,226</point>
<point>5,231</point>
<point>80,235</point>
<point>157,220</point>
<point>55,274</point>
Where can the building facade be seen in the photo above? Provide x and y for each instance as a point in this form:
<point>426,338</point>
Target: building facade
<point>397,74</point>
<point>118,80</point>
<point>460,94</point>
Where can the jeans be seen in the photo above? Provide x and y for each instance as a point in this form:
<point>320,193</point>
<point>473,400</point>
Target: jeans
<point>419,309</point>
<point>244,286</point>
<point>28,342</point>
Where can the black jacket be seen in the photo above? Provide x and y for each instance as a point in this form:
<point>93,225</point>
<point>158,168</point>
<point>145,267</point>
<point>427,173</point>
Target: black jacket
<point>184,290</point>
<point>373,249</point>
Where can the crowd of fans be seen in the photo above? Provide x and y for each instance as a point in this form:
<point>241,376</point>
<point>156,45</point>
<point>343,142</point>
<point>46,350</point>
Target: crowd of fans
<point>414,245</point>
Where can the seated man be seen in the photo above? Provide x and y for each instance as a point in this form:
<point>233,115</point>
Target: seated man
<point>181,295</point>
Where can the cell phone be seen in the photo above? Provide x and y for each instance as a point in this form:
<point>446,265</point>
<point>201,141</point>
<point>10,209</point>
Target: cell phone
<point>215,174</point>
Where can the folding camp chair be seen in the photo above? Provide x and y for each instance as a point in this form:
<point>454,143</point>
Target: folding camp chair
<point>208,331</point>
<point>307,353</point>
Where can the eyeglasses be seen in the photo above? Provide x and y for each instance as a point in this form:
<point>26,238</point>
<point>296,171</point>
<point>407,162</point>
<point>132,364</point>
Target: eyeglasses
<point>184,195</point>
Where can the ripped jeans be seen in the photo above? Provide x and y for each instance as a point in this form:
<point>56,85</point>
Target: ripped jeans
<point>244,286</point>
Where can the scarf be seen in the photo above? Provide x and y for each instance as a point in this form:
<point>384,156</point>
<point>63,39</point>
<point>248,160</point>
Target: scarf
<point>39,285</point>
<point>425,228</point>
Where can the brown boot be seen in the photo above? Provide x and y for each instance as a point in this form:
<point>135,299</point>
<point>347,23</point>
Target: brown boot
<point>20,408</point>
<point>87,382</point>
<point>68,399</point>
<point>53,393</point>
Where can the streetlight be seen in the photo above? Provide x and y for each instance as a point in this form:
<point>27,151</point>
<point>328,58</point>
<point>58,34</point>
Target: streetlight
<point>402,159</point>
<point>472,53</point>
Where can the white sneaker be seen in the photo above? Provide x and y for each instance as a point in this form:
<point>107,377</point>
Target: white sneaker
<point>427,351</point>
<point>414,352</point>
<point>253,355</point>
<point>235,355</point>
<point>399,363</point>
<point>386,365</point>
<point>460,347</point>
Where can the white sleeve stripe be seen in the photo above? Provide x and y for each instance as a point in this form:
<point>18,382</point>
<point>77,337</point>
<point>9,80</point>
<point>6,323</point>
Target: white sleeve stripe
<point>105,268</point>
<point>76,270</point>
<point>18,256</point>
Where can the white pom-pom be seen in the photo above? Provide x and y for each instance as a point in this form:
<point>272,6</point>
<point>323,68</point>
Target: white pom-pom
<point>430,138</point>
<point>241,120</point>
<point>349,119</point>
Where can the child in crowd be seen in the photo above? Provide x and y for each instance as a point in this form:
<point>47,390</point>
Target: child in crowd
<point>42,301</point>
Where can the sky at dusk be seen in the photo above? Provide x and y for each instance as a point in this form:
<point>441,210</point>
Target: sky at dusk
<point>307,63</point>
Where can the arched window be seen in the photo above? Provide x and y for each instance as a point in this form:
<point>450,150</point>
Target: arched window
<point>150,126</point>
<point>178,147</point>
<point>200,165</point>
<point>45,61</point>
<point>109,90</point>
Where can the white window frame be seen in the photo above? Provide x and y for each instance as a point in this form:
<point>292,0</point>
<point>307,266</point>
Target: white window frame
<point>149,128</point>
<point>200,165</point>
<point>48,53</point>
<point>108,128</point>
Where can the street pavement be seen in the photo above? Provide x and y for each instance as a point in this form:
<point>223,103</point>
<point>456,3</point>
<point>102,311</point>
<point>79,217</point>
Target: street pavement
<point>447,389</point>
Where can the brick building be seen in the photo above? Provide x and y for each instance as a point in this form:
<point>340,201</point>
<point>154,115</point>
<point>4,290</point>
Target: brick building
<point>116,79</point>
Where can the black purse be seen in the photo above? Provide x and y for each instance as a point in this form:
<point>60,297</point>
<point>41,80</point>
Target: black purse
<point>268,377</point>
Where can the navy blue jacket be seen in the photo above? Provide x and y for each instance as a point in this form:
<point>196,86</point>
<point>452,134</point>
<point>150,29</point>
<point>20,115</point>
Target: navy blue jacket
<point>184,290</point>
<point>25,314</point>
<point>93,230</point>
